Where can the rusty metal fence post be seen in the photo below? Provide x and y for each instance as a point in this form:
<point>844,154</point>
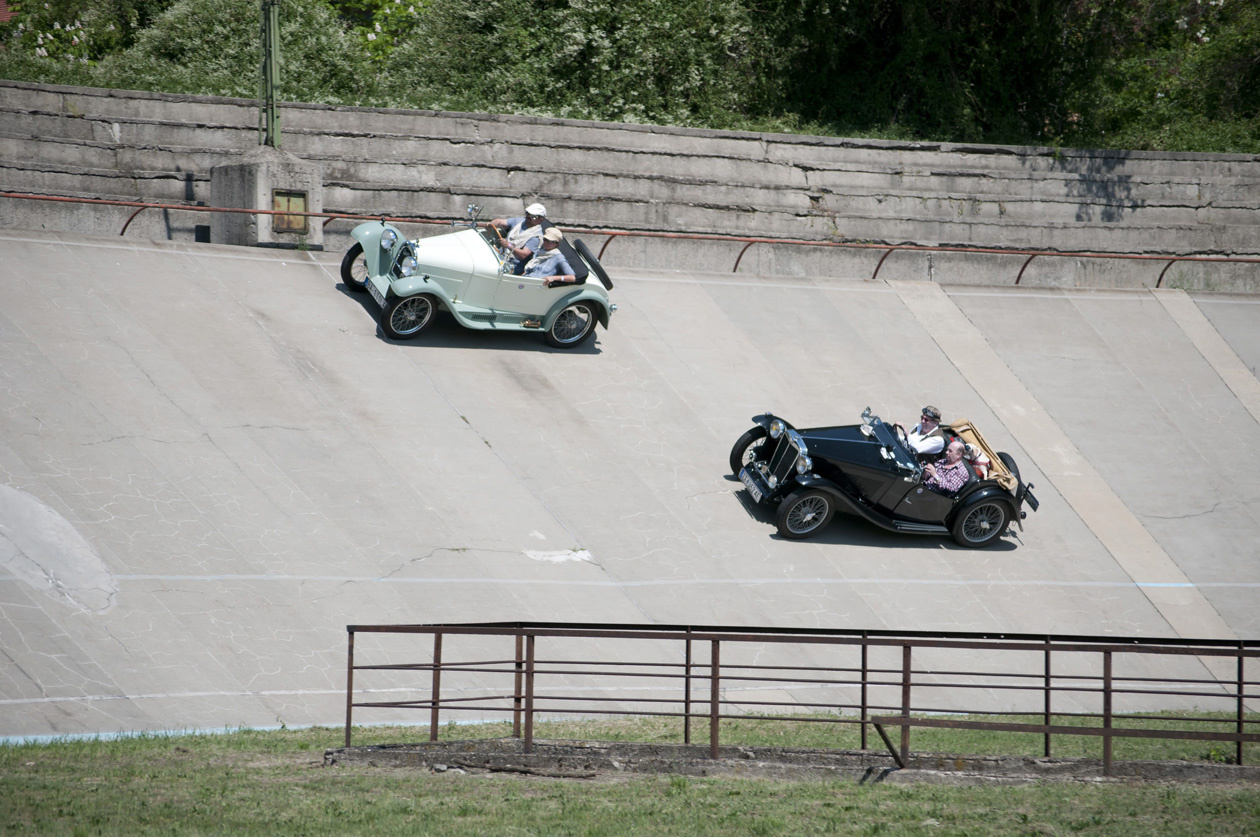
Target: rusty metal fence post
<point>529,693</point>
<point>862,709</point>
<point>905,703</point>
<point>437,686</point>
<point>349,683</point>
<point>1239,727</point>
<point>518,673</point>
<point>687,691</point>
<point>1045,719</point>
<point>715,712</point>
<point>1106,713</point>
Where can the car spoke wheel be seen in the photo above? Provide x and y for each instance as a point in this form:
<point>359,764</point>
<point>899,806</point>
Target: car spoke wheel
<point>572,325</point>
<point>354,269</point>
<point>982,524</point>
<point>746,448</point>
<point>406,316</point>
<point>805,513</point>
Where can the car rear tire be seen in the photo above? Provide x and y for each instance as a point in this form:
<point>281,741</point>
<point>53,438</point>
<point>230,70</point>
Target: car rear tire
<point>406,316</point>
<point>354,269</point>
<point>804,513</point>
<point>573,325</point>
<point>982,524</point>
<point>745,447</point>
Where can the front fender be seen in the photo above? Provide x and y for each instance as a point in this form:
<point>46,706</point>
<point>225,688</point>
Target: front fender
<point>601,307</point>
<point>766,419</point>
<point>421,284</point>
<point>369,235</point>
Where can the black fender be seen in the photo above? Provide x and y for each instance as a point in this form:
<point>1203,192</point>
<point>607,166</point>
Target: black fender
<point>765,419</point>
<point>981,493</point>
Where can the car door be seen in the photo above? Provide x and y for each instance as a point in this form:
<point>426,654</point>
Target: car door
<point>526,295</point>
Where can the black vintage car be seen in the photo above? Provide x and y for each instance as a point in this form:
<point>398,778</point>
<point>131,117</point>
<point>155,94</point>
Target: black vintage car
<point>870,470</point>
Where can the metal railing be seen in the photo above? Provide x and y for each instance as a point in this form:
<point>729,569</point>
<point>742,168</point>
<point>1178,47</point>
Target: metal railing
<point>747,241</point>
<point>1074,686</point>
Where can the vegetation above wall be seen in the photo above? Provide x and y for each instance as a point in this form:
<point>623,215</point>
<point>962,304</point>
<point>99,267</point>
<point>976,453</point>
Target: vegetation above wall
<point>1175,75</point>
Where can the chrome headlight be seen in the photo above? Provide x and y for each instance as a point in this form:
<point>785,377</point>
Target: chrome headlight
<point>388,238</point>
<point>776,429</point>
<point>773,481</point>
<point>804,465</point>
<point>407,266</point>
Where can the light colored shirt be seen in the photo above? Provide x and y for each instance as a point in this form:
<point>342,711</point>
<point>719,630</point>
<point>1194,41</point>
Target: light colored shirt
<point>548,263</point>
<point>926,443</point>
<point>519,235</point>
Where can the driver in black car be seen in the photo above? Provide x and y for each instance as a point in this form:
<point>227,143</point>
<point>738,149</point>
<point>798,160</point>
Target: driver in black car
<point>926,438</point>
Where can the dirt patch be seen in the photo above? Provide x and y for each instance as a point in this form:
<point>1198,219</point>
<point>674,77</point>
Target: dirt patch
<point>593,760</point>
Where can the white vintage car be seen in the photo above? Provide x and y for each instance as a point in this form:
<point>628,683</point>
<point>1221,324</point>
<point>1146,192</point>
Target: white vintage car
<point>466,273</point>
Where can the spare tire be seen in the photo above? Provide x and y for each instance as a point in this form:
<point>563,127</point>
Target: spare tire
<point>1009,462</point>
<point>589,258</point>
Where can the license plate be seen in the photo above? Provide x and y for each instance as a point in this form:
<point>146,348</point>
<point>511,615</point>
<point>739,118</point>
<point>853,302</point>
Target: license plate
<point>750,485</point>
<point>376,294</point>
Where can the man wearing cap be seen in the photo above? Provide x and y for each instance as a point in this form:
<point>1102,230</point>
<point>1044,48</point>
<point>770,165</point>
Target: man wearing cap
<point>549,263</point>
<point>926,437</point>
<point>522,233</point>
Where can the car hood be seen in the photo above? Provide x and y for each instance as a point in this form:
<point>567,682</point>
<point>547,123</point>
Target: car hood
<point>843,444</point>
<point>456,255</point>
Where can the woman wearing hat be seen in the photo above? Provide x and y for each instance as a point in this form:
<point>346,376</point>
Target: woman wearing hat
<point>522,233</point>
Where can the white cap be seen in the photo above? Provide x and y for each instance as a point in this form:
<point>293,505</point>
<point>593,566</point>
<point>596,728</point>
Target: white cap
<point>536,209</point>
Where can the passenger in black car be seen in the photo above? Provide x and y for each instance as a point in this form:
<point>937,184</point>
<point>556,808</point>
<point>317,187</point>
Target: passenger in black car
<point>950,474</point>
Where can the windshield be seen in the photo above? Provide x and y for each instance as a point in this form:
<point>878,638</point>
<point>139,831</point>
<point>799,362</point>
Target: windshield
<point>901,453</point>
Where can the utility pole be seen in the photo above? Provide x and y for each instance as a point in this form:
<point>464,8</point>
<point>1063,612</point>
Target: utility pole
<point>269,108</point>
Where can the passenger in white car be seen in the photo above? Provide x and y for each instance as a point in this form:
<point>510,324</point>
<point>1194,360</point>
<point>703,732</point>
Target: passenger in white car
<point>550,263</point>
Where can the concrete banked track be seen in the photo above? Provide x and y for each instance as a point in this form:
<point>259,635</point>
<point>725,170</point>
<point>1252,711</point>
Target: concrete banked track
<point>211,462</point>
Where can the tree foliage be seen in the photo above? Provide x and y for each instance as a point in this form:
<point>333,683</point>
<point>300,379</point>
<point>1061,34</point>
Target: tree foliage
<point>674,61</point>
<point>212,46</point>
<point>1171,74</point>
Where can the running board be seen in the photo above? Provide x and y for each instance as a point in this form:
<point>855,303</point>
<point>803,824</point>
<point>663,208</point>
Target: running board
<point>919,528</point>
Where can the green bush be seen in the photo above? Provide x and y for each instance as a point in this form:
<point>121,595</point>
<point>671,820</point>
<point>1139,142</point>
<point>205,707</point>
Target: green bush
<point>1142,74</point>
<point>674,61</point>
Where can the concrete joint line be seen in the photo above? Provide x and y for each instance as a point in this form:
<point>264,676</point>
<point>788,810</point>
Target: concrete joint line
<point>1218,354</point>
<point>1185,608</point>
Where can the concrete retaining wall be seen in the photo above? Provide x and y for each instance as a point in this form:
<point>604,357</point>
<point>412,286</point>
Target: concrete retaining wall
<point>158,147</point>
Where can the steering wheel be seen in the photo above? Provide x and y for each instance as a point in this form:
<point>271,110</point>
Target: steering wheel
<point>502,242</point>
<point>902,436</point>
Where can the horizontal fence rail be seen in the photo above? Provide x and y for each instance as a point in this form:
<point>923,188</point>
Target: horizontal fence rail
<point>888,249</point>
<point>1106,687</point>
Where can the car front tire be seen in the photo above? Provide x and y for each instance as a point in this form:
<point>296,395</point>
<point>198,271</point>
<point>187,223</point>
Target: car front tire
<point>406,316</point>
<point>745,447</point>
<point>573,325</point>
<point>804,513</point>
<point>354,269</point>
<point>982,524</point>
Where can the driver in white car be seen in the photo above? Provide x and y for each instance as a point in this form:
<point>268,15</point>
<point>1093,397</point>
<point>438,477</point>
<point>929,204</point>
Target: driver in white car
<point>522,234</point>
<point>926,437</point>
